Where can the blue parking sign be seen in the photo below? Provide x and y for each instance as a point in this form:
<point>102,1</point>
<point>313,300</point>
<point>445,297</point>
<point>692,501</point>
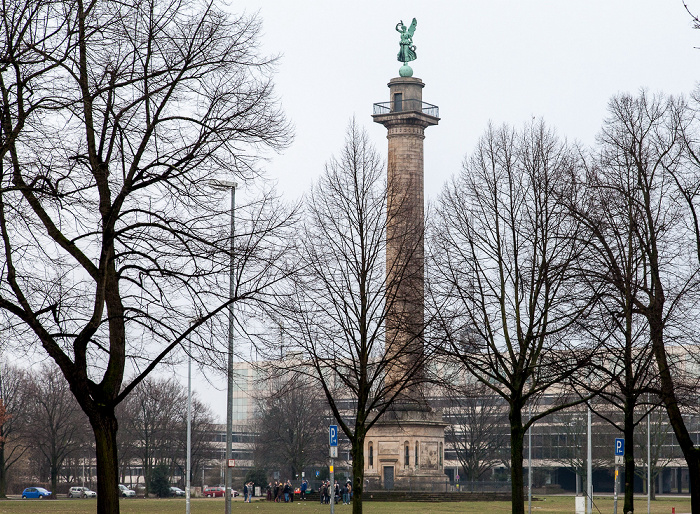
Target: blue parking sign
<point>333,435</point>
<point>619,446</point>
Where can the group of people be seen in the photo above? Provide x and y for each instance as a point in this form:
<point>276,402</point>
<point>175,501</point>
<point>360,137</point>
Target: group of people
<point>282,491</point>
<point>339,492</point>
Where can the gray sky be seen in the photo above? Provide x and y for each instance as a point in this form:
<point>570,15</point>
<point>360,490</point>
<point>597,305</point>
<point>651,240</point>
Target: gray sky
<point>500,61</point>
<point>504,61</point>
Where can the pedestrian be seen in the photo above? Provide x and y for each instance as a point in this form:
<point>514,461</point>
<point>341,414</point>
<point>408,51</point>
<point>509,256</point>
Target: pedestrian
<point>344,492</point>
<point>304,486</point>
<point>336,492</point>
<point>269,491</point>
<point>286,492</point>
<point>245,492</point>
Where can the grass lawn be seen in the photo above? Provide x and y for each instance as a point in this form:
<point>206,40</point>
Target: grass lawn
<point>550,504</point>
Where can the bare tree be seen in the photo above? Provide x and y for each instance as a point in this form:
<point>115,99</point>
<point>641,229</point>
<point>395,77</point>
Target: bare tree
<point>202,447</point>
<point>58,428</point>
<point>642,152</point>
<point>478,429</point>
<point>14,395</point>
<point>338,308</point>
<point>112,119</point>
<point>291,426</point>
<point>613,265</point>
<point>152,419</point>
<point>564,434</point>
<point>503,250</point>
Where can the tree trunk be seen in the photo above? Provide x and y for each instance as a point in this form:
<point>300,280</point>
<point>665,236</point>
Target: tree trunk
<point>629,456</point>
<point>517,436</point>
<point>3,471</point>
<point>675,418</point>
<point>54,476</point>
<point>104,426</point>
<point>358,471</point>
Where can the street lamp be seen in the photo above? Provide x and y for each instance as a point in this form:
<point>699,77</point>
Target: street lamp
<point>189,431</point>
<point>225,185</point>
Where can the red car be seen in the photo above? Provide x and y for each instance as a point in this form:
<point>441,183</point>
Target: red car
<point>214,492</point>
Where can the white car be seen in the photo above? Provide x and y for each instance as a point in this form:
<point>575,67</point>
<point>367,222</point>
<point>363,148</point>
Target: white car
<point>81,492</point>
<point>125,492</point>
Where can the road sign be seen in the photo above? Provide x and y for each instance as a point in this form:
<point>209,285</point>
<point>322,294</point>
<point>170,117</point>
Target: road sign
<point>333,435</point>
<point>619,446</point>
<point>231,463</point>
<point>334,452</point>
<point>318,473</point>
<point>619,460</point>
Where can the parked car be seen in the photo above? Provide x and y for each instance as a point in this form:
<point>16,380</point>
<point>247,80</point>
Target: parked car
<point>234,493</point>
<point>126,492</point>
<point>176,491</point>
<point>35,492</point>
<point>214,492</point>
<point>81,492</point>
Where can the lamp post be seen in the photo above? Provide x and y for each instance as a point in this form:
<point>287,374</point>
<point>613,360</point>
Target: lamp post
<point>589,468</point>
<point>221,184</point>
<point>189,431</point>
<point>529,463</point>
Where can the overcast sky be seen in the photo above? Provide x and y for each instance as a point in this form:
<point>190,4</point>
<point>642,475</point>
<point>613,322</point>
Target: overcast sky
<point>499,61</point>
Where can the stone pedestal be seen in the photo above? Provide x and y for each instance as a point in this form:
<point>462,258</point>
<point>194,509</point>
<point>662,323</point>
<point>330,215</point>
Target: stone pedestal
<point>405,451</point>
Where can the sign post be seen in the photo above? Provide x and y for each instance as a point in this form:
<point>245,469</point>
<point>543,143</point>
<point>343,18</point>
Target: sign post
<point>333,442</point>
<point>619,459</point>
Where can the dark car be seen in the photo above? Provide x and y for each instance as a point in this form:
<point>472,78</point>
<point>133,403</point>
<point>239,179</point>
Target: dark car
<point>35,492</point>
<point>214,492</point>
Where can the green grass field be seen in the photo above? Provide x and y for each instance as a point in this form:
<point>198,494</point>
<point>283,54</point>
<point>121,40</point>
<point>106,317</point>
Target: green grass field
<point>550,504</point>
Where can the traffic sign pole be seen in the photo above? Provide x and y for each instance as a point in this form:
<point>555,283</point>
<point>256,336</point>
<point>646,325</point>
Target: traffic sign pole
<point>333,441</point>
<point>617,481</point>
<point>619,457</point>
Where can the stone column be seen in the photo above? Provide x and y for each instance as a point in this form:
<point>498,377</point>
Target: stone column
<point>406,117</point>
<point>408,441</point>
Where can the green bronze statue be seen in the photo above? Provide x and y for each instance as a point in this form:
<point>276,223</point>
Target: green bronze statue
<point>407,50</point>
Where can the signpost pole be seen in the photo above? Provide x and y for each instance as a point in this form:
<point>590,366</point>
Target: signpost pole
<point>332,488</point>
<point>619,459</point>
<point>616,482</point>
<point>333,441</point>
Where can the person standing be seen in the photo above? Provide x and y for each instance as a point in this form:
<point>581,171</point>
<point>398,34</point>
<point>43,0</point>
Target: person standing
<point>304,486</point>
<point>245,493</point>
